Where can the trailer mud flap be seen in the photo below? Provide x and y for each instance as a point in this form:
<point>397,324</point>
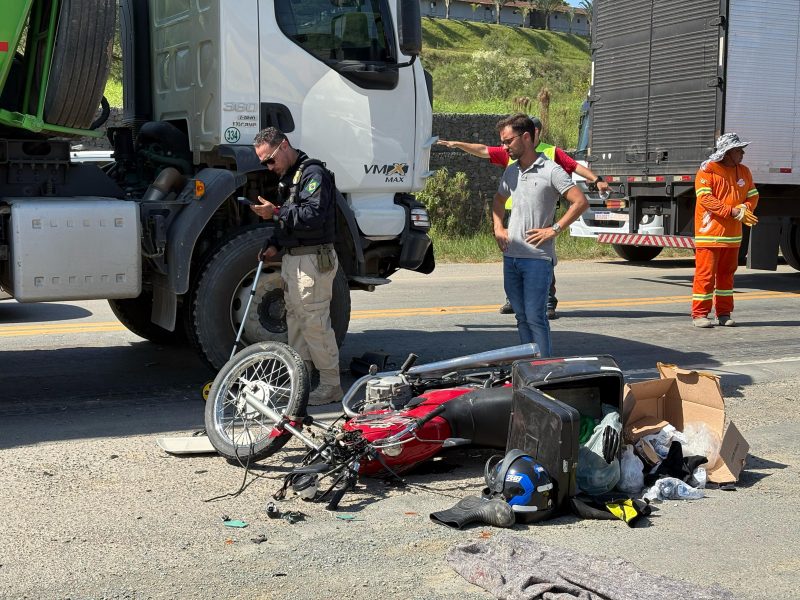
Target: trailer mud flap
<point>763,250</point>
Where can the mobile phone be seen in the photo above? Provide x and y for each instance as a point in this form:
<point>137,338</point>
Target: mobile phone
<point>244,200</point>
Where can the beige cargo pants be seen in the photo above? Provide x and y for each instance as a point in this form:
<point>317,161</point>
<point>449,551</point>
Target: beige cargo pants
<point>307,293</point>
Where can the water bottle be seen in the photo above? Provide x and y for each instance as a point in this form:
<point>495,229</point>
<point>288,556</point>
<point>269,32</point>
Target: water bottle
<point>666,489</point>
<point>605,194</point>
<point>684,491</point>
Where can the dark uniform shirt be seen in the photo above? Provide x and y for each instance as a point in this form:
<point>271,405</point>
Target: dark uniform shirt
<point>308,215</point>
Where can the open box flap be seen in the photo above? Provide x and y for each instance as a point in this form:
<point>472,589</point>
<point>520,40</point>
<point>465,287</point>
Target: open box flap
<point>732,456</point>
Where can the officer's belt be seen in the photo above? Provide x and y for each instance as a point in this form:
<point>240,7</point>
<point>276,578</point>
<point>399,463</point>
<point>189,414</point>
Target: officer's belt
<point>300,250</point>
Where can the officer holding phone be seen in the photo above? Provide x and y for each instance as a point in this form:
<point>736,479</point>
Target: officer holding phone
<point>305,229</point>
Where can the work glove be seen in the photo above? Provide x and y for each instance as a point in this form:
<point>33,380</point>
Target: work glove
<point>746,215</point>
<point>611,442</point>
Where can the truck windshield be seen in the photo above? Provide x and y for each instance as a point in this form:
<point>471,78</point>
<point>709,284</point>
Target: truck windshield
<point>339,31</point>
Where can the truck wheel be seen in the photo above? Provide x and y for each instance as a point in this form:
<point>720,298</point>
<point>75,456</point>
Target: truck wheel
<point>790,245</point>
<point>134,313</point>
<point>220,297</point>
<point>81,60</point>
<point>636,253</point>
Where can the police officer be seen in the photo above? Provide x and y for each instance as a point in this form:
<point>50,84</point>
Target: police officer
<point>305,230</point>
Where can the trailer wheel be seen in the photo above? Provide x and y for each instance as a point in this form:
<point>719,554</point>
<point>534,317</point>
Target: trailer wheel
<point>636,253</point>
<point>219,299</point>
<point>81,60</point>
<point>134,313</point>
<point>790,245</point>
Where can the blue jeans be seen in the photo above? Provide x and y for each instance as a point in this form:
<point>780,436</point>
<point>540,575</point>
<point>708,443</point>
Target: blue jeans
<point>527,283</point>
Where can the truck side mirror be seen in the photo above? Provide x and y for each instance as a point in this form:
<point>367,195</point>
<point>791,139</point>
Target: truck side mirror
<point>409,27</point>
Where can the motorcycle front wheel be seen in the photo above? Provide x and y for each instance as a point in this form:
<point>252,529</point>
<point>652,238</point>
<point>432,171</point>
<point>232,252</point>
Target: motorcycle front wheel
<point>271,373</point>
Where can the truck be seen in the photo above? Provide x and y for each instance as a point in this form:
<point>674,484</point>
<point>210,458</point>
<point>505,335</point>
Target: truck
<point>158,230</point>
<point>667,78</point>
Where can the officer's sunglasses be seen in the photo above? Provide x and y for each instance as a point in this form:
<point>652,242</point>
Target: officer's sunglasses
<point>270,160</point>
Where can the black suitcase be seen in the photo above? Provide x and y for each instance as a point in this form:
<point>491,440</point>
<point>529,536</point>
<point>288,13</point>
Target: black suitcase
<point>583,382</point>
<point>550,396</point>
<point>548,430</point>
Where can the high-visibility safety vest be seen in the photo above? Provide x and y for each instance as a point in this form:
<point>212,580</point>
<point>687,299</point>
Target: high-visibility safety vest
<point>547,149</point>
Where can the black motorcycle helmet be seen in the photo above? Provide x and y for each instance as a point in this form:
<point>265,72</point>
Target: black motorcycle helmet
<point>523,483</point>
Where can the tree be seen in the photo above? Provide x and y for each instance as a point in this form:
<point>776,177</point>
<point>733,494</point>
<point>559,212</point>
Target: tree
<point>525,11</point>
<point>447,8</point>
<point>548,7</point>
<point>589,8</point>
<point>498,4</point>
<point>571,17</point>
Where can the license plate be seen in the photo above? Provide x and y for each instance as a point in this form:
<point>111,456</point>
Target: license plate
<point>609,216</point>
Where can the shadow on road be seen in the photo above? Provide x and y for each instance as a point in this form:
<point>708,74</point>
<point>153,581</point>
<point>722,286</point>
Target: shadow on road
<point>145,389</point>
<point>12,312</point>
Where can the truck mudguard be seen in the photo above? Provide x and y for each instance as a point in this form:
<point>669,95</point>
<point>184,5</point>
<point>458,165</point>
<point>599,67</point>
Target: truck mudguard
<point>219,184</point>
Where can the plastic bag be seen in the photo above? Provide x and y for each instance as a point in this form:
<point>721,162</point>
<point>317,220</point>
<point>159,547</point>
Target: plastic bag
<point>631,475</point>
<point>671,488</point>
<point>701,441</point>
<point>701,477</point>
<point>662,440</point>
<point>594,475</point>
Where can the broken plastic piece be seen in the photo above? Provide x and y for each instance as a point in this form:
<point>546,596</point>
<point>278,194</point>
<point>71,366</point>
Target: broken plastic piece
<point>234,523</point>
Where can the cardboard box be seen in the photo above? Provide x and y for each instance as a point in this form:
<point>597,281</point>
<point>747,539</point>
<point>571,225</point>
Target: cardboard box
<point>680,397</point>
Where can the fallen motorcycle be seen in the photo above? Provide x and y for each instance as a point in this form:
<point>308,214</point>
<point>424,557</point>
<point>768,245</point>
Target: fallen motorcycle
<point>397,419</point>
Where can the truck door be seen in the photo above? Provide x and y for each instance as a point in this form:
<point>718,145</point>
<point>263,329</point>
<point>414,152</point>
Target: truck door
<point>330,67</point>
<point>657,87</point>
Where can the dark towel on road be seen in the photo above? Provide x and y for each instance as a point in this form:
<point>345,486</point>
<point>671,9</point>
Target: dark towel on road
<point>511,568</point>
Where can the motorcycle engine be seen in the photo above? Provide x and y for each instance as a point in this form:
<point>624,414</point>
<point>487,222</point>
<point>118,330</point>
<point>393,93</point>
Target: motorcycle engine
<point>392,391</point>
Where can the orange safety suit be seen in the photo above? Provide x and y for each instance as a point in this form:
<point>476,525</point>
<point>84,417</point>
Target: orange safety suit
<point>718,235</point>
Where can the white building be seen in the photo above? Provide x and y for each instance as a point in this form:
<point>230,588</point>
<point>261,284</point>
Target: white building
<point>483,11</point>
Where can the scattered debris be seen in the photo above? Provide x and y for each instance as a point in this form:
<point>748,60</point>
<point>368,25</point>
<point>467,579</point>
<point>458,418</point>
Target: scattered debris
<point>259,539</point>
<point>293,516</point>
<point>228,522</point>
<point>347,517</point>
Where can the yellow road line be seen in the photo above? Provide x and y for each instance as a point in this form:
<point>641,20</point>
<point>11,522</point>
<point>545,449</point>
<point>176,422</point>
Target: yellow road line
<point>112,326</point>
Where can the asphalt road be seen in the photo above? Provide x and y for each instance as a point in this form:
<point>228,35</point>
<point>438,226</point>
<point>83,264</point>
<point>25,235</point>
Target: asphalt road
<point>92,508</point>
<point>57,356</point>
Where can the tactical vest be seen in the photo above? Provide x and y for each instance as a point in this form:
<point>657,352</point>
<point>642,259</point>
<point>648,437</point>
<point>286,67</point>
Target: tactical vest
<point>290,238</point>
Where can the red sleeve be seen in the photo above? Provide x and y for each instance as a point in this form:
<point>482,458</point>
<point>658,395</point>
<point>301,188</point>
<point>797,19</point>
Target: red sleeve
<point>566,162</point>
<point>498,155</point>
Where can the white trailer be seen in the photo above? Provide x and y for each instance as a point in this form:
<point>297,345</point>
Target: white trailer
<point>668,77</point>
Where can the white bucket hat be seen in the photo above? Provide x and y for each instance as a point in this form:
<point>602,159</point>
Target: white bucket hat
<point>725,142</point>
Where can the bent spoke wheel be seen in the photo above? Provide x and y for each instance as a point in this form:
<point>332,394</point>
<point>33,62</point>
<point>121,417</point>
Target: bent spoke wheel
<point>270,373</point>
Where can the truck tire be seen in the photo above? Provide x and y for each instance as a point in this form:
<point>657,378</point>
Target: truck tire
<point>134,313</point>
<point>636,253</point>
<point>81,60</point>
<point>219,298</point>
<point>790,245</point>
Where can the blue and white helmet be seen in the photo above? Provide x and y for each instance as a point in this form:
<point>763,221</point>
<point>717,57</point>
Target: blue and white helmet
<point>523,483</point>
